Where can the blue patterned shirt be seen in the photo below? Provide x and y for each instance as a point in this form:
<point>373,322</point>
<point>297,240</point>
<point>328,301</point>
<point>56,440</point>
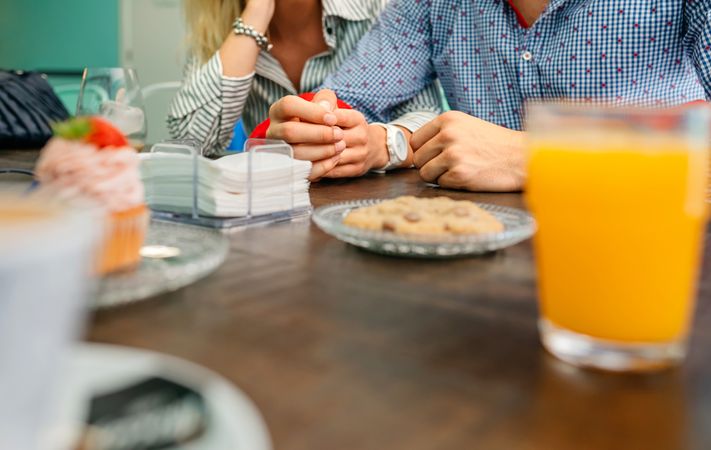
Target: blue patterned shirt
<point>644,52</point>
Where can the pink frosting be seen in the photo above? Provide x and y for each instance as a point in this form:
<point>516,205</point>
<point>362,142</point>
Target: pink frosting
<point>109,177</point>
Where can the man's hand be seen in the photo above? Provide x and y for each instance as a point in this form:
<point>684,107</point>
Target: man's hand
<point>459,151</point>
<point>310,128</point>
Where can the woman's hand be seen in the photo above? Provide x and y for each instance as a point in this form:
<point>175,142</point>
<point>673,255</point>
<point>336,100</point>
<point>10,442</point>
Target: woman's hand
<point>311,129</point>
<point>362,152</point>
<point>459,151</point>
<point>258,14</point>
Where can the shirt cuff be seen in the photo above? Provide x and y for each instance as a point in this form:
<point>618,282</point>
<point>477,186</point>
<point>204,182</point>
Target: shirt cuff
<point>415,120</point>
<point>234,92</point>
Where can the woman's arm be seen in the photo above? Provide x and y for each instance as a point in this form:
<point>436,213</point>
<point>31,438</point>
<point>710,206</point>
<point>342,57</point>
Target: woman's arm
<point>238,53</point>
<point>213,95</point>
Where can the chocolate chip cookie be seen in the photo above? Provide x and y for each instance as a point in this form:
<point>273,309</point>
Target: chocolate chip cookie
<point>424,216</point>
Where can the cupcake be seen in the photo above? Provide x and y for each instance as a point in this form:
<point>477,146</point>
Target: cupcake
<point>89,158</point>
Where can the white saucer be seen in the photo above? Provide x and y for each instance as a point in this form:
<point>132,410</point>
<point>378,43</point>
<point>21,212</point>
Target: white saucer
<point>235,423</point>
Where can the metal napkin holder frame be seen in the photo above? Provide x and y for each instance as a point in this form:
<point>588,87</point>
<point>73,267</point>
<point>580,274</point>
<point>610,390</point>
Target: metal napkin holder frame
<point>251,147</point>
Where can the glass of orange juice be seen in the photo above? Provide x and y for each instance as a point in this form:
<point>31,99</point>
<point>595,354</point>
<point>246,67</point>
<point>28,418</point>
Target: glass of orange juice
<point>620,200</point>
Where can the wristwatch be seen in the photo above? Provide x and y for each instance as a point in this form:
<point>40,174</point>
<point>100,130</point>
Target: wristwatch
<point>396,143</point>
<point>240,28</point>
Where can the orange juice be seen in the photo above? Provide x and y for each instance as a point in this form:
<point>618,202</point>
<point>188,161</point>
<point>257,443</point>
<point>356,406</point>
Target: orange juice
<point>621,221</point>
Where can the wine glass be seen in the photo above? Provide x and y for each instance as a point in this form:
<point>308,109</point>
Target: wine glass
<point>114,94</point>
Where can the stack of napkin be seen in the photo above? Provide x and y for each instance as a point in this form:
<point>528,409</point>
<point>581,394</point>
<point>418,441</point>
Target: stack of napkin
<point>278,183</point>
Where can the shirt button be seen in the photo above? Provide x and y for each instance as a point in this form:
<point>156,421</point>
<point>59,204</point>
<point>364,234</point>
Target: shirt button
<point>527,56</point>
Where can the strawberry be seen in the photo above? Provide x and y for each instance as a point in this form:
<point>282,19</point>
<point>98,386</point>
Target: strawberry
<point>92,130</point>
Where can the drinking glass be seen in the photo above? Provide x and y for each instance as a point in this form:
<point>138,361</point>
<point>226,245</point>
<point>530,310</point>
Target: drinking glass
<point>46,254</point>
<point>115,94</point>
<point>619,197</point>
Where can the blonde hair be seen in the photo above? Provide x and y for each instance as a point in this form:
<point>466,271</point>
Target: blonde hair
<point>209,23</point>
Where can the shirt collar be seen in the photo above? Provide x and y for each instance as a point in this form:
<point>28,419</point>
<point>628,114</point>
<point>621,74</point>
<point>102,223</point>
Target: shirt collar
<point>351,10</point>
<point>553,5</point>
<point>346,9</point>
<point>268,67</point>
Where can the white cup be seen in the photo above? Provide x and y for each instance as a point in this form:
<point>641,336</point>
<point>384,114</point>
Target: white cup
<point>46,256</point>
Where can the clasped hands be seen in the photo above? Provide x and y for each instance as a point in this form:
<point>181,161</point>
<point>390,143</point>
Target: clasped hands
<point>454,150</point>
<point>337,141</point>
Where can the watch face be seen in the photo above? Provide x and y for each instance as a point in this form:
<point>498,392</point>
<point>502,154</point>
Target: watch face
<point>400,145</point>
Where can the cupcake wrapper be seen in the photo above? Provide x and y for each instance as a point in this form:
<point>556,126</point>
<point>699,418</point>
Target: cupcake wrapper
<point>124,236</point>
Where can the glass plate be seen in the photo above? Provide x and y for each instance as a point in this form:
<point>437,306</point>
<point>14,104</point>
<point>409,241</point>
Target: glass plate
<point>182,254</point>
<point>518,224</point>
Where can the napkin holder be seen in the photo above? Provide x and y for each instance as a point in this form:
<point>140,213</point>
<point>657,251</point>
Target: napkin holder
<point>251,147</point>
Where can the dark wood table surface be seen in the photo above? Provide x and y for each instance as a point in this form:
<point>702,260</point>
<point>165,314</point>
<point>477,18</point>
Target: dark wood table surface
<point>343,349</point>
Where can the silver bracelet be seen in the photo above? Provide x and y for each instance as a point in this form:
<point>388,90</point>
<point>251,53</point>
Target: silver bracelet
<point>240,28</point>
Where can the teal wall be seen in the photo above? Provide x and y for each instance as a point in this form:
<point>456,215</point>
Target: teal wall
<point>58,35</point>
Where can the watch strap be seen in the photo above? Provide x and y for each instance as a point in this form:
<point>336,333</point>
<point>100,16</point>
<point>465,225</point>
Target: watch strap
<point>393,160</point>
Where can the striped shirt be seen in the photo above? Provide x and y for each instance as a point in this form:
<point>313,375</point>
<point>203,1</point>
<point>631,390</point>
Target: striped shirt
<point>208,105</point>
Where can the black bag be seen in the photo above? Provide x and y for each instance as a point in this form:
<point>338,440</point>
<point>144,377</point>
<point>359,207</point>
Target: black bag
<point>28,106</point>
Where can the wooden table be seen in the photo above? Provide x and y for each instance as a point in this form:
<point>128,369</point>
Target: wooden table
<point>343,349</point>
